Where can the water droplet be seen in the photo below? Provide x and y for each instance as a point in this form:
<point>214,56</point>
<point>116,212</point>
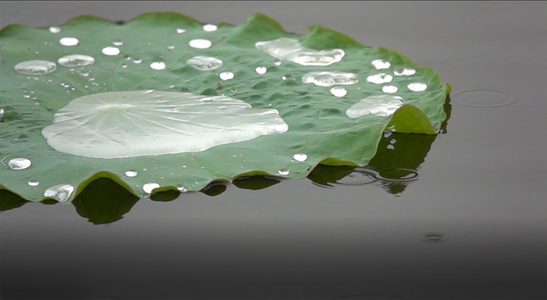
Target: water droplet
<point>117,43</point>
<point>283,172</point>
<point>300,157</point>
<point>124,66</point>
<point>210,27</point>
<point>283,77</point>
<point>204,63</point>
<point>417,86</point>
<point>380,78</point>
<point>149,187</point>
<point>261,70</point>
<point>226,75</point>
<point>76,60</point>
<point>277,63</point>
<point>137,60</point>
<point>1,110</point>
<point>380,105</point>
<point>404,71</point>
<point>338,91</point>
<point>393,141</point>
<point>387,133</point>
<point>181,188</point>
<point>131,173</point>
<point>380,64</point>
<point>157,65</point>
<point>54,29</point>
<point>330,78</point>
<point>69,41</point>
<point>35,67</point>
<point>60,192</point>
<point>292,50</point>
<point>33,182</point>
<point>200,43</point>
<point>111,51</point>
<point>389,89</point>
<point>170,47</point>
<point>19,163</point>
<point>390,147</point>
<point>181,30</point>
<point>398,175</point>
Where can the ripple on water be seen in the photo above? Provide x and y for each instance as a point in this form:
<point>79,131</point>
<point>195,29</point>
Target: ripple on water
<point>483,98</point>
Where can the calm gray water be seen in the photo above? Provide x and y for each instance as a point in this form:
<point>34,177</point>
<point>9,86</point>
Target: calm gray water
<point>471,225</point>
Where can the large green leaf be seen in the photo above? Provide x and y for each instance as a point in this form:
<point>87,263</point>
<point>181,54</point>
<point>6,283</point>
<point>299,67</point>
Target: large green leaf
<point>149,104</point>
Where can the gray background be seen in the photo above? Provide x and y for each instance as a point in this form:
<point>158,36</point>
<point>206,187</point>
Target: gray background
<point>482,185</point>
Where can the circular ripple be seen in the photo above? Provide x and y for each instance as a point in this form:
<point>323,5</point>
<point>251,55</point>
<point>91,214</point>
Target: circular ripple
<point>397,175</point>
<point>484,98</point>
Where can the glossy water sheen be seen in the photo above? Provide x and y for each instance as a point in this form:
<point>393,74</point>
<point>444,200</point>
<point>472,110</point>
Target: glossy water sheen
<point>292,50</point>
<point>59,192</point>
<point>136,123</point>
<point>380,105</point>
<point>470,226</point>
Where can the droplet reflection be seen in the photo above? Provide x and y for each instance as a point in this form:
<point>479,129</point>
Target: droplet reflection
<point>19,163</point>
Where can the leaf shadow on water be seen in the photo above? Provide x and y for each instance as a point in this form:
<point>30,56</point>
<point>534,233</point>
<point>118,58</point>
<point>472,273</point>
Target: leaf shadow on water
<point>394,167</point>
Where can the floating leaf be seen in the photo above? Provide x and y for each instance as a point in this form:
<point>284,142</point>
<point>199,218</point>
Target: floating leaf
<point>164,102</point>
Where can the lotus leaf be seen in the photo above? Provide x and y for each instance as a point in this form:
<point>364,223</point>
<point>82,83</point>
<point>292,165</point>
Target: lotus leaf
<point>164,102</point>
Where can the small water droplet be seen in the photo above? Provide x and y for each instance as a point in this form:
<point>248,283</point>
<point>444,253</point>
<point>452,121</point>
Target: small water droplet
<point>389,89</point>
<point>417,86</point>
<point>204,63</point>
<point>380,78</point>
<point>277,63</point>
<point>131,173</point>
<point>387,133</point>
<point>124,66</point>
<point>404,71</point>
<point>33,182</point>
<point>69,41</point>
<point>261,70</point>
<point>181,188</point>
<point>170,47</point>
<point>283,77</point>
<point>181,30</point>
<point>19,163</point>
<point>380,64</point>
<point>338,91</point>
<point>233,90</point>
<point>76,60</point>
<point>1,110</point>
<point>300,157</point>
<point>149,187</point>
<point>157,65</point>
<point>111,51</point>
<point>54,29</point>
<point>117,43</point>
<point>83,73</point>
<point>60,192</point>
<point>390,147</point>
<point>210,27</point>
<point>283,172</point>
<point>137,60</point>
<point>200,43</point>
<point>35,67</point>
<point>227,75</point>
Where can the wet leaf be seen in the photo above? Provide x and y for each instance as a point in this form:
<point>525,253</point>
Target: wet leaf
<point>164,102</point>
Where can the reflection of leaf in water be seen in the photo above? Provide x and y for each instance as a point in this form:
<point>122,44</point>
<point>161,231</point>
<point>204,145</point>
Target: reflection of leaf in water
<point>104,201</point>
<point>255,182</point>
<point>155,51</point>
